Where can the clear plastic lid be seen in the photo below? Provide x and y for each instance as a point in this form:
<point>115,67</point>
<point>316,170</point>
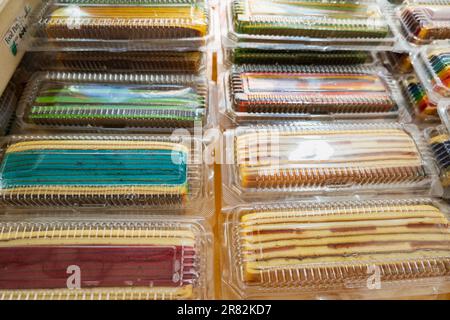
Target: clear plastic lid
<point>438,139</point>
<point>426,21</point>
<point>309,23</point>
<point>304,57</point>
<point>104,259</point>
<point>103,61</point>
<point>101,171</point>
<point>291,160</point>
<point>100,24</point>
<point>106,101</point>
<point>8,104</point>
<point>256,93</point>
<point>396,62</point>
<point>431,64</point>
<point>286,249</point>
<point>423,107</point>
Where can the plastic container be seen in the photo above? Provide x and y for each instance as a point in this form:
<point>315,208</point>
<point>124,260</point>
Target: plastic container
<point>431,65</point>
<point>273,93</point>
<point>423,108</point>
<point>328,249</point>
<point>98,102</point>
<point>121,24</point>
<point>103,61</point>
<point>8,104</point>
<point>395,62</point>
<point>438,139</point>
<point>425,22</point>
<point>304,57</point>
<point>102,171</point>
<point>264,162</point>
<point>295,24</point>
<point>105,258</point>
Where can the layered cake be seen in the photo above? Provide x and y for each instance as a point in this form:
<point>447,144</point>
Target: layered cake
<point>418,97</point>
<point>331,245</point>
<point>94,172</point>
<point>95,101</point>
<point>112,261</point>
<point>310,90</point>
<point>263,56</point>
<point>426,21</point>
<point>309,18</point>
<point>317,158</point>
<point>102,61</point>
<point>126,20</point>
<point>439,61</point>
<point>440,144</point>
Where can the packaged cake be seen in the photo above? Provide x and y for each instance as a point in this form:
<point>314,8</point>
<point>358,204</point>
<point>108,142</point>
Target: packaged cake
<point>422,106</point>
<point>425,21</point>
<point>285,92</point>
<point>432,65</point>
<point>309,22</point>
<point>438,139</point>
<point>291,160</point>
<point>8,104</point>
<point>309,57</point>
<point>343,247</point>
<point>99,23</point>
<point>105,101</point>
<point>104,259</point>
<point>100,171</point>
<point>129,61</point>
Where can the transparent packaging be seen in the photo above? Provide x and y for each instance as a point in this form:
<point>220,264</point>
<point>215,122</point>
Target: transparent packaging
<point>425,22</point>
<point>431,64</point>
<point>101,171</point>
<point>104,61</point>
<point>367,247</point>
<point>423,107</point>
<point>114,259</point>
<point>444,112</point>
<point>396,62</point>
<point>116,24</point>
<point>304,57</point>
<point>438,139</point>
<point>309,23</point>
<point>274,93</point>
<point>287,161</point>
<point>8,104</point>
<point>98,102</point>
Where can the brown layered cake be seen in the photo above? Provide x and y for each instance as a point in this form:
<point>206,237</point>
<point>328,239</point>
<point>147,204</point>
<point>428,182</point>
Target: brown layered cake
<point>334,244</point>
<point>315,157</point>
<point>114,261</point>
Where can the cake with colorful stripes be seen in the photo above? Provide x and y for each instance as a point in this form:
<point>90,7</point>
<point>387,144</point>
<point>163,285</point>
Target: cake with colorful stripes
<point>94,172</point>
<point>315,158</point>
<point>309,18</point>
<point>90,100</point>
<point>418,97</point>
<point>440,144</point>
<point>439,61</point>
<point>310,90</point>
<point>126,19</point>
<point>426,21</point>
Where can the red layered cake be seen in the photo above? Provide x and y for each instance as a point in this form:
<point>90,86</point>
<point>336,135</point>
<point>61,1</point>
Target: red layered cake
<point>97,261</point>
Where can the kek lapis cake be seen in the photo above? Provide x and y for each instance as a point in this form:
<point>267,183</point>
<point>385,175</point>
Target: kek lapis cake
<point>84,171</point>
<point>290,248</point>
<point>85,260</point>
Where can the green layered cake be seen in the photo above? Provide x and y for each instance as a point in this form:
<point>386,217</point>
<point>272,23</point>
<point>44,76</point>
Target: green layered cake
<point>158,103</point>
